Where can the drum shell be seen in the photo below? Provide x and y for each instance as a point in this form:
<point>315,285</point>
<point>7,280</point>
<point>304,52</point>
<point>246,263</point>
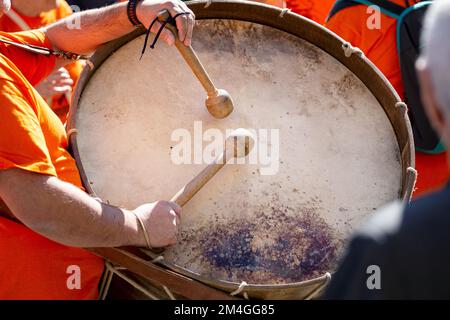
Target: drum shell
<point>320,37</point>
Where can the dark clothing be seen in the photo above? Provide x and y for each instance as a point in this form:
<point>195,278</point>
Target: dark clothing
<point>90,4</point>
<point>410,245</point>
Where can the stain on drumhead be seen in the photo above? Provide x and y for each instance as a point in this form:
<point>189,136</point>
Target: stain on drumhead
<point>275,247</point>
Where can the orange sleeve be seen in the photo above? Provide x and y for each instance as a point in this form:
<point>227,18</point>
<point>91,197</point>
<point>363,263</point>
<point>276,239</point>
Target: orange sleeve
<point>22,142</point>
<point>33,66</point>
<point>316,10</point>
<point>346,24</point>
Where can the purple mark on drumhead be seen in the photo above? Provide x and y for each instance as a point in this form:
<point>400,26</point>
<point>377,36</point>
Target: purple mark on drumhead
<point>231,248</point>
<point>273,248</point>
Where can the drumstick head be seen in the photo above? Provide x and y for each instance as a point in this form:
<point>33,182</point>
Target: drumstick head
<point>220,105</point>
<point>242,141</point>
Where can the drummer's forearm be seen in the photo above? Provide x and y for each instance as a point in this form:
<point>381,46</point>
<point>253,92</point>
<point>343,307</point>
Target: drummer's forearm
<point>65,214</point>
<point>83,32</point>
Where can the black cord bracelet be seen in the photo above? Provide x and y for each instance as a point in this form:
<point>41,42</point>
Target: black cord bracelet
<point>131,11</point>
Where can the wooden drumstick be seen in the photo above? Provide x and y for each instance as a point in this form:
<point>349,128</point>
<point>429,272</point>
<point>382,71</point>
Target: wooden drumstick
<point>238,145</point>
<point>218,102</point>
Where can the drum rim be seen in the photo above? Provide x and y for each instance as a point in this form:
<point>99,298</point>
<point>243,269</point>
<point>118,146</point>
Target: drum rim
<point>294,24</point>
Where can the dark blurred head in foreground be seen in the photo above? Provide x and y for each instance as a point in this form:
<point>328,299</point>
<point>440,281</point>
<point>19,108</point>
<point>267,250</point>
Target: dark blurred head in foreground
<point>403,251</point>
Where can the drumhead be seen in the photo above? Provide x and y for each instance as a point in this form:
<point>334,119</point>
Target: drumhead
<point>339,155</point>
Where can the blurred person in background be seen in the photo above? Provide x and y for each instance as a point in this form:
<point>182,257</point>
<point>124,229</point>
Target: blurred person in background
<point>46,218</point>
<point>24,15</point>
<point>403,251</point>
<point>316,10</point>
<point>379,45</point>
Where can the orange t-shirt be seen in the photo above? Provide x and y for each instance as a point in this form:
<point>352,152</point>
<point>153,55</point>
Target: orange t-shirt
<point>59,102</point>
<point>380,46</point>
<point>32,138</point>
<point>316,10</point>
<point>45,18</point>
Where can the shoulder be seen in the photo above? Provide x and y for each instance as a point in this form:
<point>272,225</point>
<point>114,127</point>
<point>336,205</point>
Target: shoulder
<point>410,246</point>
<point>386,221</point>
<point>428,217</point>
<point>426,214</point>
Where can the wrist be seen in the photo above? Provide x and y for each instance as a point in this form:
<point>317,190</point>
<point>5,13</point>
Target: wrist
<point>139,14</point>
<point>143,236</point>
<point>133,12</point>
<point>133,232</point>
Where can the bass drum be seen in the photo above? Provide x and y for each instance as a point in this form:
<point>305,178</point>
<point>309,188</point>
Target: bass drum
<point>339,145</point>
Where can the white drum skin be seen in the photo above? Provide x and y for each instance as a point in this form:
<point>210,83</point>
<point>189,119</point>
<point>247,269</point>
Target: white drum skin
<point>339,156</point>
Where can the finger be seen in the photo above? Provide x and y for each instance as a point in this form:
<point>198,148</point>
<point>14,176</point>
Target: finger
<point>63,76</point>
<point>181,21</point>
<point>175,220</point>
<point>56,77</point>
<point>166,34</point>
<point>190,29</point>
<point>63,82</point>
<point>63,90</point>
<point>176,208</point>
<point>61,73</point>
<point>62,86</point>
<point>184,7</point>
<point>190,23</point>
<point>168,37</point>
<point>178,221</point>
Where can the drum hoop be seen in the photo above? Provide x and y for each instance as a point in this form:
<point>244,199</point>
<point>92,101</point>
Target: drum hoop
<point>295,25</point>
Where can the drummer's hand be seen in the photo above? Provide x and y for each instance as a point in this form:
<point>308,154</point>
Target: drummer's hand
<point>161,220</point>
<point>57,83</point>
<point>147,11</point>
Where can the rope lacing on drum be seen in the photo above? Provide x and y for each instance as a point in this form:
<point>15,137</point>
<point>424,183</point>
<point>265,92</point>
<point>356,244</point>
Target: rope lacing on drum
<point>412,173</point>
<point>158,259</point>
<point>170,20</point>
<point>349,50</point>
<point>240,289</point>
<point>412,179</point>
<point>171,296</point>
<point>71,132</point>
<point>284,11</point>
<point>401,105</point>
<point>113,270</point>
<point>90,64</point>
